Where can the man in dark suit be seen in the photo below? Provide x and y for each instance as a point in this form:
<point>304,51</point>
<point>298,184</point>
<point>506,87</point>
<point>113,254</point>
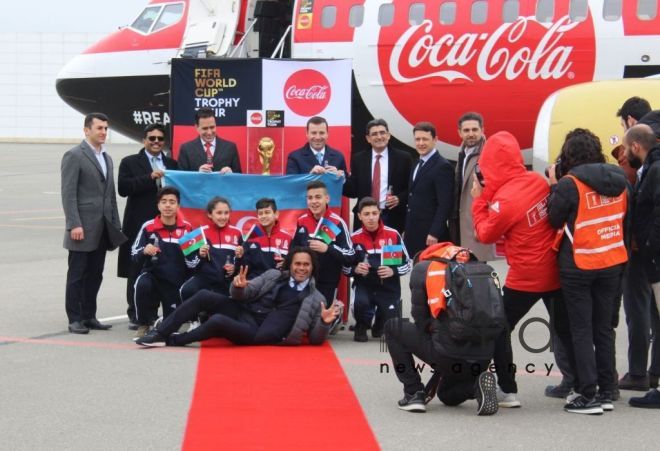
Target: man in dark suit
<point>209,152</point>
<point>92,222</point>
<point>140,177</point>
<point>316,157</point>
<point>430,196</point>
<point>392,170</point>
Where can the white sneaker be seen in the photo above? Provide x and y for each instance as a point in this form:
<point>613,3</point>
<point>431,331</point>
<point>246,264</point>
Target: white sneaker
<point>509,400</point>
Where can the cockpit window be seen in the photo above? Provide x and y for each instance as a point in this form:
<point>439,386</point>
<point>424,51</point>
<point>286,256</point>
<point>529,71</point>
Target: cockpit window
<point>146,19</point>
<point>157,17</point>
<point>170,15</point>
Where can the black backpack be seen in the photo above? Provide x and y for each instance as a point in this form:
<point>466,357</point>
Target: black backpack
<point>475,311</point>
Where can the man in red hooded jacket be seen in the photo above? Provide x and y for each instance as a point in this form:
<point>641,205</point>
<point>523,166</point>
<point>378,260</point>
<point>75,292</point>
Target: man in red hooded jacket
<point>513,203</point>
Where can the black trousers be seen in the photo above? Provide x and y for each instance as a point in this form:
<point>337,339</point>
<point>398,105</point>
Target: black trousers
<point>328,290</point>
<point>371,301</point>
<point>458,377</point>
<point>198,283</point>
<point>590,298</point>
<point>641,319</point>
<point>150,293</point>
<point>83,281</point>
<point>516,305</point>
<point>130,298</point>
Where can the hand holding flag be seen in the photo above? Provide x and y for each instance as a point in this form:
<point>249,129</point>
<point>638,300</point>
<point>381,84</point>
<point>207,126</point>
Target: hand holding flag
<point>326,231</point>
<point>192,241</point>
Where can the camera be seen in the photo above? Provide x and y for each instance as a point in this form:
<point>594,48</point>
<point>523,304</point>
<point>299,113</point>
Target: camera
<point>558,173</point>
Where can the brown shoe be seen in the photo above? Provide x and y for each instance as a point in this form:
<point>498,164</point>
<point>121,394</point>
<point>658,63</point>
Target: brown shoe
<point>141,331</point>
<point>636,383</point>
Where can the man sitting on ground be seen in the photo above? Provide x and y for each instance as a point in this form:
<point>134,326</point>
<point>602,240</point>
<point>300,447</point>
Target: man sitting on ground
<point>277,307</point>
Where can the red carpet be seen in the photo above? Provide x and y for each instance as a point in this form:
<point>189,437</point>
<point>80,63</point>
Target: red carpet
<point>273,398</point>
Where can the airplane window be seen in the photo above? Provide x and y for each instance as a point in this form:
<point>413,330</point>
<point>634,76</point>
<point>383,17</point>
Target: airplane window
<point>386,14</point>
<point>416,14</point>
<point>328,16</point>
<point>647,9</point>
<point>448,13</point>
<point>479,12</point>
<point>510,11</point>
<point>612,10</point>
<point>578,10</point>
<point>545,10</point>
<point>144,22</point>
<point>356,16</point>
<point>170,15</point>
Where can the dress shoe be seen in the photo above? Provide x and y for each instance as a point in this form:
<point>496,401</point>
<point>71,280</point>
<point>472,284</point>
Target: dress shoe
<point>637,383</point>
<point>77,327</point>
<point>94,324</point>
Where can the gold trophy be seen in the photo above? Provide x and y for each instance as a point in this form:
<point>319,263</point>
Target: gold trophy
<point>266,149</point>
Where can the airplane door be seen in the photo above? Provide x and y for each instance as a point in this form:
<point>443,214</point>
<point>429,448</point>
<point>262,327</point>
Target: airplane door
<point>211,27</point>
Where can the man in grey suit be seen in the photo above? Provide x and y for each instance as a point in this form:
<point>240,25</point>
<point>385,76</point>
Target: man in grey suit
<point>209,152</point>
<point>92,222</point>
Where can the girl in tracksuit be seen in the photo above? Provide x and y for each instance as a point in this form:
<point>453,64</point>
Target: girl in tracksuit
<point>213,263</point>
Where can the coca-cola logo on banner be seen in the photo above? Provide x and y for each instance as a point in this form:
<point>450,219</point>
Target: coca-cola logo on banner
<point>256,118</point>
<point>438,72</point>
<point>307,92</point>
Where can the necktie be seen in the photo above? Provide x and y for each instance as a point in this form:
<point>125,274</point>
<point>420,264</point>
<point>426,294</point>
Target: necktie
<point>420,163</point>
<point>155,165</point>
<point>209,155</point>
<point>375,180</point>
<point>319,156</point>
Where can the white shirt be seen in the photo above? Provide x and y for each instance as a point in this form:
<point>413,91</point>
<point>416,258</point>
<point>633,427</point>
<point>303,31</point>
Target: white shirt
<point>100,158</point>
<point>299,286</point>
<point>468,151</point>
<point>384,166</point>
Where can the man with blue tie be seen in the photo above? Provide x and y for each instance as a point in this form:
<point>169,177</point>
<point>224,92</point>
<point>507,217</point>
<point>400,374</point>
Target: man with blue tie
<point>316,157</point>
<point>430,194</point>
<point>139,179</point>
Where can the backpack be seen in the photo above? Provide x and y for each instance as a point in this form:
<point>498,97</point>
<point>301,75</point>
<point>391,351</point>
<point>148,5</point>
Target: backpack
<point>473,309</point>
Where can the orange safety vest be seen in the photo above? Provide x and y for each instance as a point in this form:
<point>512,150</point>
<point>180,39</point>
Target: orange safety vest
<point>598,231</point>
<point>435,274</point>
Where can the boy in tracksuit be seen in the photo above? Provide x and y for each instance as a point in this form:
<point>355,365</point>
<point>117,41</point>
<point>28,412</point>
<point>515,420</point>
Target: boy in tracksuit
<point>331,242</point>
<point>267,244</point>
<point>156,250</point>
<point>380,259</point>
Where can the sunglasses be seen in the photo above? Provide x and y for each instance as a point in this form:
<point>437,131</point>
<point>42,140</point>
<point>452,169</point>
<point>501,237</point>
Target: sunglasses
<point>156,138</point>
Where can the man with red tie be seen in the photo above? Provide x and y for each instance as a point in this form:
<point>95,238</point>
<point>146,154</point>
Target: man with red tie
<point>209,152</point>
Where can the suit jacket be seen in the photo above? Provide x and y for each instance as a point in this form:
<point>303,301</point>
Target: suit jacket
<point>430,201</point>
<point>192,155</point>
<point>89,199</point>
<point>358,184</point>
<point>461,225</point>
<point>302,160</point>
<point>135,183</point>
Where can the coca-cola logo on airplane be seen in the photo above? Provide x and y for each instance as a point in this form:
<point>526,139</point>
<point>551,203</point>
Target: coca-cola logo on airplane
<point>307,92</point>
<point>438,72</point>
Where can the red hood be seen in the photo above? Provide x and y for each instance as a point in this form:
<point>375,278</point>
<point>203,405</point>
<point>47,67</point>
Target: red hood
<point>500,161</point>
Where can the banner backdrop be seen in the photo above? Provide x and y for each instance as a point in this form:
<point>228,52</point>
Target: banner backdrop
<point>262,98</point>
<point>243,191</point>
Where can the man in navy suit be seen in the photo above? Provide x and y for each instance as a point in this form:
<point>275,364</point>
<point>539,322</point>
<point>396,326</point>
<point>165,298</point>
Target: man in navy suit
<point>390,188</point>
<point>140,177</point>
<point>209,152</point>
<point>430,196</point>
<point>316,157</point>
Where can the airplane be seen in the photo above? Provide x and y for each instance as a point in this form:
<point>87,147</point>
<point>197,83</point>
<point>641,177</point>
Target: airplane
<point>412,60</point>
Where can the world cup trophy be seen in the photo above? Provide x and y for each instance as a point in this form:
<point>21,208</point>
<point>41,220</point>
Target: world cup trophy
<point>266,149</point>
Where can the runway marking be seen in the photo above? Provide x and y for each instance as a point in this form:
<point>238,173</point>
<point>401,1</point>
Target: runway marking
<point>51,192</point>
<point>113,318</point>
<point>87,344</point>
<point>37,218</point>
